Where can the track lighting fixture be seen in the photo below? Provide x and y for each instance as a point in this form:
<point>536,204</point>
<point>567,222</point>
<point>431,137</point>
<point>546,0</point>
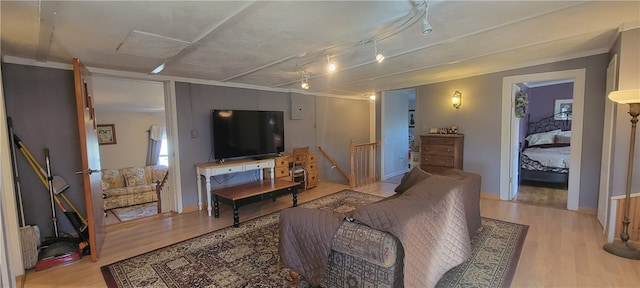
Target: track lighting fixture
<point>330,65</point>
<point>159,68</point>
<point>379,56</point>
<point>426,27</point>
<point>305,83</point>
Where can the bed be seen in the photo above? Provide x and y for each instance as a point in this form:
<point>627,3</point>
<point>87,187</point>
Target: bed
<point>544,157</point>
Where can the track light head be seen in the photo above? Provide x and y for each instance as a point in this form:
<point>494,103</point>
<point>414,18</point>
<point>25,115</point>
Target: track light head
<point>379,56</point>
<point>330,65</point>
<point>304,82</point>
<point>426,27</point>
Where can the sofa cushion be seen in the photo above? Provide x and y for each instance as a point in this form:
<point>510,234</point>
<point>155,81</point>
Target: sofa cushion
<point>112,179</point>
<point>411,178</point>
<point>133,176</point>
<point>155,173</point>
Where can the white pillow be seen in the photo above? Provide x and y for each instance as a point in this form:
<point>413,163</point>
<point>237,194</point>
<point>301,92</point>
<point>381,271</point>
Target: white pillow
<point>542,138</point>
<point>565,133</point>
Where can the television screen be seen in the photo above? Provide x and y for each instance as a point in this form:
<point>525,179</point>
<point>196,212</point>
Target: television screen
<point>244,133</point>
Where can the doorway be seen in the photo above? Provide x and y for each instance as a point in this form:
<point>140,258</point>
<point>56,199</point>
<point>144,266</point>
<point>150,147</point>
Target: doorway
<point>396,106</point>
<point>135,110</point>
<point>544,161</point>
<point>510,133</point>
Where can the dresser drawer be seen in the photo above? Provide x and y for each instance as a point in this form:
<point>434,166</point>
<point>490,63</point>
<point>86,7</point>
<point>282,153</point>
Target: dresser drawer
<point>438,160</point>
<point>256,166</point>
<point>440,141</point>
<point>439,149</point>
<point>312,157</point>
<point>281,172</point>
<point>312,179</point>
<point>312,166</point>
<point>229,169</point>
<point>282,161</point>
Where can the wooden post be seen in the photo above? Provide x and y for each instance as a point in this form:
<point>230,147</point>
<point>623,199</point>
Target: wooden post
<point>352,175</point>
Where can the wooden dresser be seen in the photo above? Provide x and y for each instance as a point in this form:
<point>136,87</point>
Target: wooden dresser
<point>440,152</point>
<point>283,166</point>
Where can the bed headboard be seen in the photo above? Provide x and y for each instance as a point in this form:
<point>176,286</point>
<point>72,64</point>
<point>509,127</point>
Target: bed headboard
<point>547,124</point>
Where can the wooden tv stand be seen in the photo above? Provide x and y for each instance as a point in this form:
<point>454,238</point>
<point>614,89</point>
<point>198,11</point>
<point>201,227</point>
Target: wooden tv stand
<point>207,170</point>
<point>235,195</point>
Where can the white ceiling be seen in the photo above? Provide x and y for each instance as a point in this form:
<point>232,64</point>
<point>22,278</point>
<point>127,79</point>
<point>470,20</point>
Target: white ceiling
<point>268,43</point>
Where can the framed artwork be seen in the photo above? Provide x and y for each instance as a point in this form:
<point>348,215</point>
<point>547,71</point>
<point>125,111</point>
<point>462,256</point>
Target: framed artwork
<point>106,134</point>
<point>563,109</point>
<point>412,118</point>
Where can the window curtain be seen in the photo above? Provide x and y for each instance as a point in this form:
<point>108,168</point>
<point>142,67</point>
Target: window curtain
<point>155,142</point>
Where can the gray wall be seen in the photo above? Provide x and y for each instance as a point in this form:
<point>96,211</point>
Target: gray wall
<point>326,122</point>
<point>479,119</point>
<point>42,105</point>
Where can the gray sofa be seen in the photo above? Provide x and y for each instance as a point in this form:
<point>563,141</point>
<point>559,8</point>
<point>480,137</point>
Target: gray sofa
<point>364,252</point>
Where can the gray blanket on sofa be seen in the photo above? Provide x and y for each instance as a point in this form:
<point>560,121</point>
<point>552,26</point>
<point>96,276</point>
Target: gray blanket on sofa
<point>305,240</point>
<point>429,220</point>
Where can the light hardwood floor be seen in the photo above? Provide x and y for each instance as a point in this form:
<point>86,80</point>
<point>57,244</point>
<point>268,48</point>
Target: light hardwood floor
<point>562,248</point>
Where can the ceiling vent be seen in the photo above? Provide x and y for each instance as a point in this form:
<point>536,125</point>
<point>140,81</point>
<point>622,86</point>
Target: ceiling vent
<point>150,45</point>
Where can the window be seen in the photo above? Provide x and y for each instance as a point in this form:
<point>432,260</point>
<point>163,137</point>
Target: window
<point>163,159</point>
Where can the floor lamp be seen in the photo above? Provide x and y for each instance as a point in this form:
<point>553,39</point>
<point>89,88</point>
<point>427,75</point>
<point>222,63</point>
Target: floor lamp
<point>631,97</point>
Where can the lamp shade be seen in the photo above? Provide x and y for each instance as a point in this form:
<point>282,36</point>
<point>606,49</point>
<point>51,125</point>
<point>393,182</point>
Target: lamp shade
<point>625,96</point>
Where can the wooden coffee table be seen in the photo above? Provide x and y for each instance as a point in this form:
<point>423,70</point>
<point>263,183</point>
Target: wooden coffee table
<point>240,194</point>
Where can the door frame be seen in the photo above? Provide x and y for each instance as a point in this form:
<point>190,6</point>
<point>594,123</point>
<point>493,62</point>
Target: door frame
<point>510,132</point>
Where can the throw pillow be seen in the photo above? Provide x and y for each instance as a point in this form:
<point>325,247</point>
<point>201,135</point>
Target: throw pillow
<point>542,138</point>
<point>411,178</point>
<point>134,176</point>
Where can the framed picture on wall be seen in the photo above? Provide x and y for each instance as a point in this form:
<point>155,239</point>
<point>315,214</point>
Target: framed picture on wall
<point>563,109</point>
<point>412,118</point>
<point>106,134</point>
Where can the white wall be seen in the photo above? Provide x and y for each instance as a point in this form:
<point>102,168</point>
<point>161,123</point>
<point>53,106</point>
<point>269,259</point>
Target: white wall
<point>131,137</point>
<point>629,75</point>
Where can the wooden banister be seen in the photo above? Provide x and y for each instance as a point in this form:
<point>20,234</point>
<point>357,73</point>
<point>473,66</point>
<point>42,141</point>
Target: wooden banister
<point>333,161</point>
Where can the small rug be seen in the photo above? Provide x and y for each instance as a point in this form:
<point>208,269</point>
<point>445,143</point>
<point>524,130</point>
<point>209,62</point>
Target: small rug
<point>496,251</point>
<point>248,256</point>
<point>136,211</point>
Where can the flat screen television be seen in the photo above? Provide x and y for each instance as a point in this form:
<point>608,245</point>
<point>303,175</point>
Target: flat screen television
<point>245,133</point>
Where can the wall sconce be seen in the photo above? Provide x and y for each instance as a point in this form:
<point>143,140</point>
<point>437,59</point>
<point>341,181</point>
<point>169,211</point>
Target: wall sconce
<point>456,99</point>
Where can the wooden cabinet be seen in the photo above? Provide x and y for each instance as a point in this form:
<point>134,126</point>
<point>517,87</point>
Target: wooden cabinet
<point>283,166</point>
<point>312,170</point>
<point>440,152</point>
<point>281,169</point>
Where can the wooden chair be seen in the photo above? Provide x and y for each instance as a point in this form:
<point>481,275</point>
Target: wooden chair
<point>298,165</point>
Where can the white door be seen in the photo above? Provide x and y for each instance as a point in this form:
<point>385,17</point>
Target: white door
<point>607,138</point>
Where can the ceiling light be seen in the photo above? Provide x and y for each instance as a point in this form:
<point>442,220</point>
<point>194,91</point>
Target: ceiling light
<point>158,69</point>
<point>330,65</point>
<point>372,96</point>
<point>379,56</point>
<point>426,27</point>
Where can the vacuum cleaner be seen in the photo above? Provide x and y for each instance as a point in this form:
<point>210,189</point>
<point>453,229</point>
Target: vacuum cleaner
<point>58,250</point>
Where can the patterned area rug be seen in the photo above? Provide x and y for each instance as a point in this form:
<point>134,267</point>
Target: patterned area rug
<point>136,211</point>
<point>248,256</point>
